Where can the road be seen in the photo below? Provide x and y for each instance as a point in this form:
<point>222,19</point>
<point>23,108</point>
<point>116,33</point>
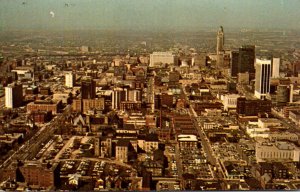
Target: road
<point>29,149</point>
<point>107,160</point>
<point>211,157</point>
<point>286,122</point>
<point>178,161</point>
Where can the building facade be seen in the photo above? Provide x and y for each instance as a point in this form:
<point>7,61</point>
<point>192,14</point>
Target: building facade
<point>275,67</point>
<point>158,58</point>
<point>262,78</point>
<point>88,89</point>
<point>69,79</point>
<point>246,59</point>
<point>13,95</point>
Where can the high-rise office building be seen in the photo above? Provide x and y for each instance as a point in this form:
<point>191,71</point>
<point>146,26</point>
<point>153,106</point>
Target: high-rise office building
<point>88,89</point>
<point>246,59</point>
<point>262,78</point>
<point>69,79</point>
<point>13,95</point>
<point>275,67</point>
<point>118,95</point>
<point>234,63</point>
<point>158,58</point>
<point>220,40</point>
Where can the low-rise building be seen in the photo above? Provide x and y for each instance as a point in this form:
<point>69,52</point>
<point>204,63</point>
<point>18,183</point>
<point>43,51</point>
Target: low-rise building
<point>44,105</point>
<point>294,115</point>
<point>187,142</point>
<point>278,151</point>
<point>42,175</point>
<point>230,101</point>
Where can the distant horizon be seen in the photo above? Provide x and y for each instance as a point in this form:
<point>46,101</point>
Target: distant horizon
<point>154,15</point>
<point>203,29</point>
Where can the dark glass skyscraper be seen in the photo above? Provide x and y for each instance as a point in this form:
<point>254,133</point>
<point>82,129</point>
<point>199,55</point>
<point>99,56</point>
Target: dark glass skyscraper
<point>88,89</point>
<point>234,63</point>
<point>246,59</point>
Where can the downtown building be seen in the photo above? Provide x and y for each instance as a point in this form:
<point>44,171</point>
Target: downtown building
<point>262,78</point>
<point>13,95</point>
<point>246,59</point>
<point>88,89</point>
<point>159,58</point>
<point>70,79</point>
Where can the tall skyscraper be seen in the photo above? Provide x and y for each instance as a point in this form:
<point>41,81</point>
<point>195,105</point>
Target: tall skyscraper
<point>88,89</point>
<point>246,59</point>
<point>275,67</point>
<point>70,79</point>
<point>234,63</point>
<point>220,48</point>
<point>220,40</point>
<point>13,95</point>
<point>262,78</point>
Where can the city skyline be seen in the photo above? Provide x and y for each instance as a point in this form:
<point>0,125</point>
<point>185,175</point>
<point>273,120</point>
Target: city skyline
<point>147,15</point>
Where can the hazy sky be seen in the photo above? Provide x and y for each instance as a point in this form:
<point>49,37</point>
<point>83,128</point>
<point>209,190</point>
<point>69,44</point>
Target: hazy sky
<point>148,14</point>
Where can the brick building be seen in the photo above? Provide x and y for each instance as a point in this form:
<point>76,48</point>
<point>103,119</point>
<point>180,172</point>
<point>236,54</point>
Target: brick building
<point>43,105</point>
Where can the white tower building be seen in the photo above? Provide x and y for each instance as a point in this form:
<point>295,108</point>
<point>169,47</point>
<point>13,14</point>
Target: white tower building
<point>262,78</point>
<point>70,79</point>
<point>275,67</point>
<point>13,95</point>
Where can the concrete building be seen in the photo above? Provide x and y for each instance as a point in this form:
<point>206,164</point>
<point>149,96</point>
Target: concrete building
<point>122,149</point>
<point>278,151</point>
<point>220,40</point>
<point>134,95</point>
<point>275,67</point>
<point>187,142</point>
<point>262,78</point>
<point>69,79</point>
<point>269,122</point>
<point>158,58</point>
<point>220,48</point>
<point>282,94</point>
<point>149,144</point>
<point>118,95</point>
<point>13,95</point>
<point>230,101</point>
<point>92,104</point>
<point>131,105</point>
